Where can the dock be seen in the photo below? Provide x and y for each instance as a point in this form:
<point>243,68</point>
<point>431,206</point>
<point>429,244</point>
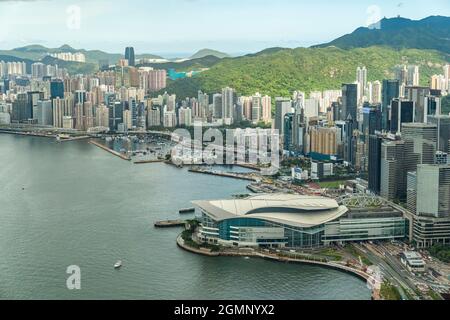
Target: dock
<point>148,161</point>
<point>118,154</point>
<point>170,223</point>
<point>241,176</point>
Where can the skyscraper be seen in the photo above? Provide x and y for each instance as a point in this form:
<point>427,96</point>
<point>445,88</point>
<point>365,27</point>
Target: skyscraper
<point>282,106</point>
<point>56,89</point>
<point>443,131</point>
<point>361,80</point>
<point>420,140</point>
<point>390,91</point>
<point>350,101</point>
<point>129,55</point>
<point>392,170</point>
<point>417,95</point>
<point>402,111</point>
<point>374,166</point>
<point>228,101</point>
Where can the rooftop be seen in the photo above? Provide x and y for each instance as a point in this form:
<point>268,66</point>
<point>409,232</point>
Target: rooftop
<point>292,209</point>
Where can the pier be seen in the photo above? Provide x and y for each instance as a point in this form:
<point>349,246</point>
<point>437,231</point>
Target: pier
<point>118,154</point>
<point>170,223</point>
<point>235,175</point>
<point>149,161</point>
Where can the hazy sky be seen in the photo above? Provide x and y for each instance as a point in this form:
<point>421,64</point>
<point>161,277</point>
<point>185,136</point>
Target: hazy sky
<point>182,26</point>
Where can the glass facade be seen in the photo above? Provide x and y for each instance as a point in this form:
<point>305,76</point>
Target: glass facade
<point>248,231</point>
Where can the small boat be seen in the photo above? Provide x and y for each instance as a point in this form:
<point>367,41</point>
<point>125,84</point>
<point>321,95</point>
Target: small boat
<point>186,210</point>
<point>118,264</point>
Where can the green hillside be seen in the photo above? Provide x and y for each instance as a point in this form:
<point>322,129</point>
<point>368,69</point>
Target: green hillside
<point>279,72</point>
<point>209,52</point>
<point>429,33</point>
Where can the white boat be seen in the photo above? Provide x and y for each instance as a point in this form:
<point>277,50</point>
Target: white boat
<point>118,264</point>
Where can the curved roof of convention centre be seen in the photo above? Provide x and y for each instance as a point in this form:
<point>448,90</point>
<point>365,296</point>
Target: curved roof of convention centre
<point>289,209</point>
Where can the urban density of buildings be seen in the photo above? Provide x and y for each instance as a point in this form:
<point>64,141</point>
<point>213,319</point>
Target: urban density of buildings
<point>392,132</point>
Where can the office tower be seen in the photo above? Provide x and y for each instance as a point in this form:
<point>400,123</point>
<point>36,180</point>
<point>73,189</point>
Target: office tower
<point>401,111</point>
<point>350,141</point>
<point>217,105</point>
<point>33,98</point>
<point>21,108</point>
<point>432,219</point>
<point>115,114</point>
<point>323,142</point>
<point>393,171</point>
<point>433,191</point>
<point>129,55</point>
<point>413,76</point>
<point>56,89</point>
<point>432,106</point>
<point>417,95</point>
<point>411,191</point>
<point>350,101</point>
<point>374,165</point>
<point>266,106</point>
<point>390,91</point>
<point>371,120</point>
<point>228,102</point>
<point>288,124</point>
<point>132,106</point>
<point>420,142</point>
<point>336,109</point>
<point>361,80</point>
<point>256,108</point>
<point>299,125</point>
<point>282,107</point>
<point>45,113</point>
<point>442,123</point>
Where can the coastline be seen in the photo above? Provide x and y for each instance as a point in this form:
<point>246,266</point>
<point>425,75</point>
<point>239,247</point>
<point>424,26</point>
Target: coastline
<point>357,273</point>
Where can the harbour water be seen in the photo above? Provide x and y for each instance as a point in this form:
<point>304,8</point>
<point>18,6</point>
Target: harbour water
<point>72,203</point>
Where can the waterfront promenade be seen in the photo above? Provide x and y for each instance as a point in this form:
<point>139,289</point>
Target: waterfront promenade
<point>274,257</point>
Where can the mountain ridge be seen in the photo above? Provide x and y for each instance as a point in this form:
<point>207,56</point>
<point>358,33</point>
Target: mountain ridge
<point>401,33</point>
